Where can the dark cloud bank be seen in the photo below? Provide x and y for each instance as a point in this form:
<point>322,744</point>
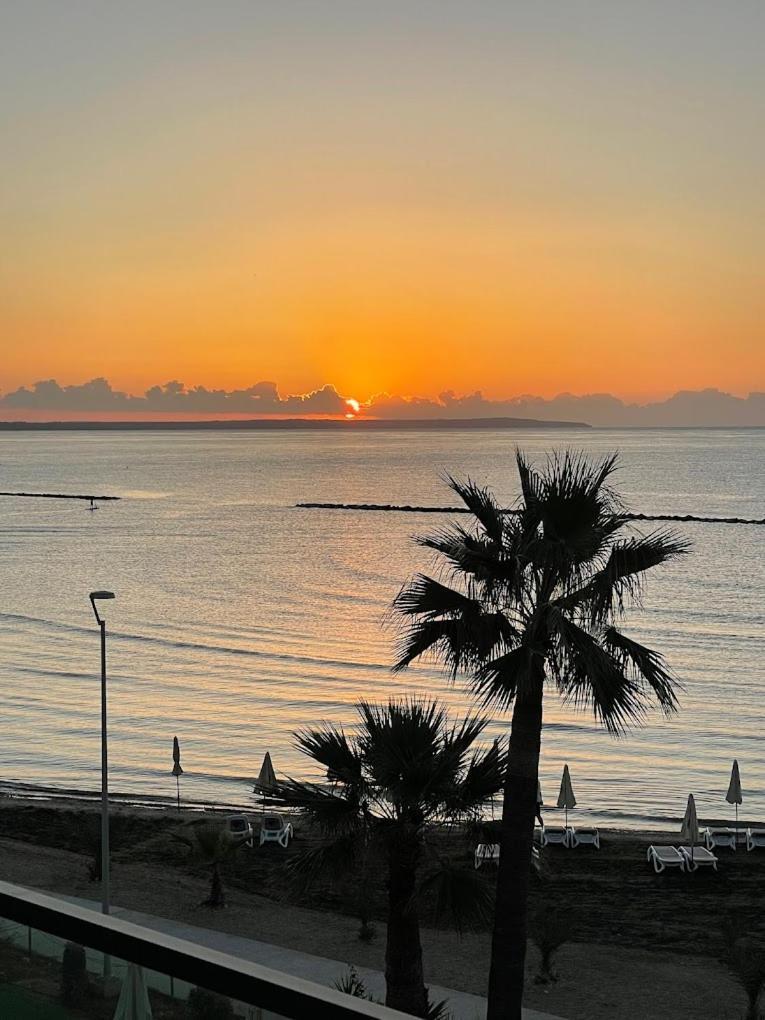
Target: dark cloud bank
<point>686,408</point>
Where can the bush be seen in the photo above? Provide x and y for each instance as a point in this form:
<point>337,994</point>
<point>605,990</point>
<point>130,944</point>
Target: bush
<point>203,1004</point>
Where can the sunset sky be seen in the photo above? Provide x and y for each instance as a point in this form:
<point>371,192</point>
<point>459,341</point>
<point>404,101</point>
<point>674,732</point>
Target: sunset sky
<point>385,197</point>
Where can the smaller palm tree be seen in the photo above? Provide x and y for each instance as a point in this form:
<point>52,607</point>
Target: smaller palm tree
<point>405,769</point>
<point>211,844</point>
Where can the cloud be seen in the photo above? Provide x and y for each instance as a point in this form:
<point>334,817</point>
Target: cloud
<point>263,399</point>
<point>687,408</point>
<point>173,398</point>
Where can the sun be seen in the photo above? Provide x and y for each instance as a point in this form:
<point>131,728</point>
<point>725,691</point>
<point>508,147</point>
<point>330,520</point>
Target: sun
<point>354,406</point>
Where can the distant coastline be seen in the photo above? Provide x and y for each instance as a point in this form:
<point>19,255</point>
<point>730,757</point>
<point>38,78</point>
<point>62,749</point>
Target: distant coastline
<point>296,424</point>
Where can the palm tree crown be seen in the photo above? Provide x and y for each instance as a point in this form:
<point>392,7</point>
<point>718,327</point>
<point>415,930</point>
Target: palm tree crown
<point>405,767</point>
<point>542,585</point>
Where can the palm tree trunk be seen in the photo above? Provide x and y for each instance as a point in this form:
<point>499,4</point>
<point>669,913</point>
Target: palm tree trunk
<point>508,947</point>
<point>404,979</point>
<point>217,895</point>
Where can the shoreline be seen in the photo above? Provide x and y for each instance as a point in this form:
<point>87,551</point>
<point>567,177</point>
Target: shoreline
<point>42,795</point>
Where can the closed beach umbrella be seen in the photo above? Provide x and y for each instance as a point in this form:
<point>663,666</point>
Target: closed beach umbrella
<point>177,770</point>
<point>266,780</point>
<point>566,798</point>
<point>133,1002</point>
<point>690,827</point>
<point>734,795</point>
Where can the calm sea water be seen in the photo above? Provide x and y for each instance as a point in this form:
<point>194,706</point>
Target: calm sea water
<point>240,618</point>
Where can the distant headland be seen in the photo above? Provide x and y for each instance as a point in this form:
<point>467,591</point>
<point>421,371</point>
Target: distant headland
<point>292,424</point>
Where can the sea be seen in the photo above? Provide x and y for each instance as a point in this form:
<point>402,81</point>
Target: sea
<point>240,618</point>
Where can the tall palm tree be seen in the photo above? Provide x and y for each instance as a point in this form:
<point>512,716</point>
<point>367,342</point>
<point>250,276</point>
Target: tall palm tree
<point>535,594</point>
<point>403,769</point>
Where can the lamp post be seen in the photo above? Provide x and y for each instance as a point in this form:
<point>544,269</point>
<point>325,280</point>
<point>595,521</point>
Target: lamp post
<point>94,597</point>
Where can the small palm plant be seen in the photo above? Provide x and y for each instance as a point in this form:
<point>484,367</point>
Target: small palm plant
<point>534,598</point>
<point>211,844</point>
<point>405,769</point>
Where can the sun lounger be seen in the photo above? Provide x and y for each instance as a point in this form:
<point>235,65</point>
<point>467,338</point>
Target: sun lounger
<point>274,829</point>
<point>719,837</point>
<point>239,827</point>
<point>557,834</point>
<point>700,858</point>
<point>662,857</point>
<point>755,838</point>
<point>486,852</point>
<point>584,835</point>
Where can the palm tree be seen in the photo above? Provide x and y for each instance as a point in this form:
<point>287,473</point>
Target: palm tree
<point>535,594</point>
<point>212,844</point>
<point>405,768</point>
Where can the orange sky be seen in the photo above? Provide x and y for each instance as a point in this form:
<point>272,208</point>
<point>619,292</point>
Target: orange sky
<point>385,202</point>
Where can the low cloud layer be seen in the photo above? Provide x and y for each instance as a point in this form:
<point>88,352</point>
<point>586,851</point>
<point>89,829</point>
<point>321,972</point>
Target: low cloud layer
<point>97,397</point>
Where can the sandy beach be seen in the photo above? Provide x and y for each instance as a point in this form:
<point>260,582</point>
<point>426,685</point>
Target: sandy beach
<point>641,945</point>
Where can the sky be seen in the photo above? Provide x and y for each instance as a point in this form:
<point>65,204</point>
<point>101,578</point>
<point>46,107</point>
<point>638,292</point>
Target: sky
<point>407,199</point>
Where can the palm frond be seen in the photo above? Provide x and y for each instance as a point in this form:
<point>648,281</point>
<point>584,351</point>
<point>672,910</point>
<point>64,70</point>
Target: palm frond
<point>499,680</point>
<point>483,778</point>
<point>588,674</point>
<point>461,643</point>
<point>335,813</point>
<point>481,504</point>
<point>425,597</point>
<point>578,512</point>
<point>324,862</point>
<point>621,579</point>
<point>646,665</point>
<point>455,895</point>
<point>330,747</point>
<point>471,556</point>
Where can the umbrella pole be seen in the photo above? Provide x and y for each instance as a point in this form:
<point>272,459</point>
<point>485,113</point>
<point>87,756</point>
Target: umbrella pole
<point>737,825</point>
<point>178,791</point>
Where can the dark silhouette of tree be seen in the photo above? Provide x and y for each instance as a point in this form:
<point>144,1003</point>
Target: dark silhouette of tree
<point>211,844</point>
<point>535,596</point>
<point>405,769</point>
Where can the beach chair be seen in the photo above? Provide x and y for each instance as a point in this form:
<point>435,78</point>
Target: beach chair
<point>719,837</point>
<point>556,834</point>
<point>663,857</point>
<point>239,827</point>
<point>700,858</point>
<point>587,834</point>
<point>274,829</point>
<point>486,852</point>
<point>755,838</point>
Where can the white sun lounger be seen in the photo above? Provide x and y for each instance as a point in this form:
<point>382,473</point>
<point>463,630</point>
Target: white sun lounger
<point>755,838</point>
<point>719,837</point>
<point>662,857</point>
<point>274,829</point>
<point>701,858</point>
<point>556,834</point>
<point>585,834</point>
<point>486,852</point>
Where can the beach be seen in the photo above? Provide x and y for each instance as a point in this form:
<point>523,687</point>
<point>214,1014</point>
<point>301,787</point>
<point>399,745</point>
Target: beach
<point>642,945</point>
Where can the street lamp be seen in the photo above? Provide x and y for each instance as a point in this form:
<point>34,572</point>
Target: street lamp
<point>94,597</point>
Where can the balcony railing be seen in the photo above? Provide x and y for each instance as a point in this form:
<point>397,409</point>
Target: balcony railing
<point>35,929</point>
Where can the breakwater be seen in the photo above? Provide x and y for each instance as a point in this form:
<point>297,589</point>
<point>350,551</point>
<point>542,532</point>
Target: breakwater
<point>60,495</point>
<point>406,509</point>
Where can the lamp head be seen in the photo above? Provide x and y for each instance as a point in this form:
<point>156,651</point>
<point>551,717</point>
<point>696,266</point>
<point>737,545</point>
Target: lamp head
<point>99,595</point>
